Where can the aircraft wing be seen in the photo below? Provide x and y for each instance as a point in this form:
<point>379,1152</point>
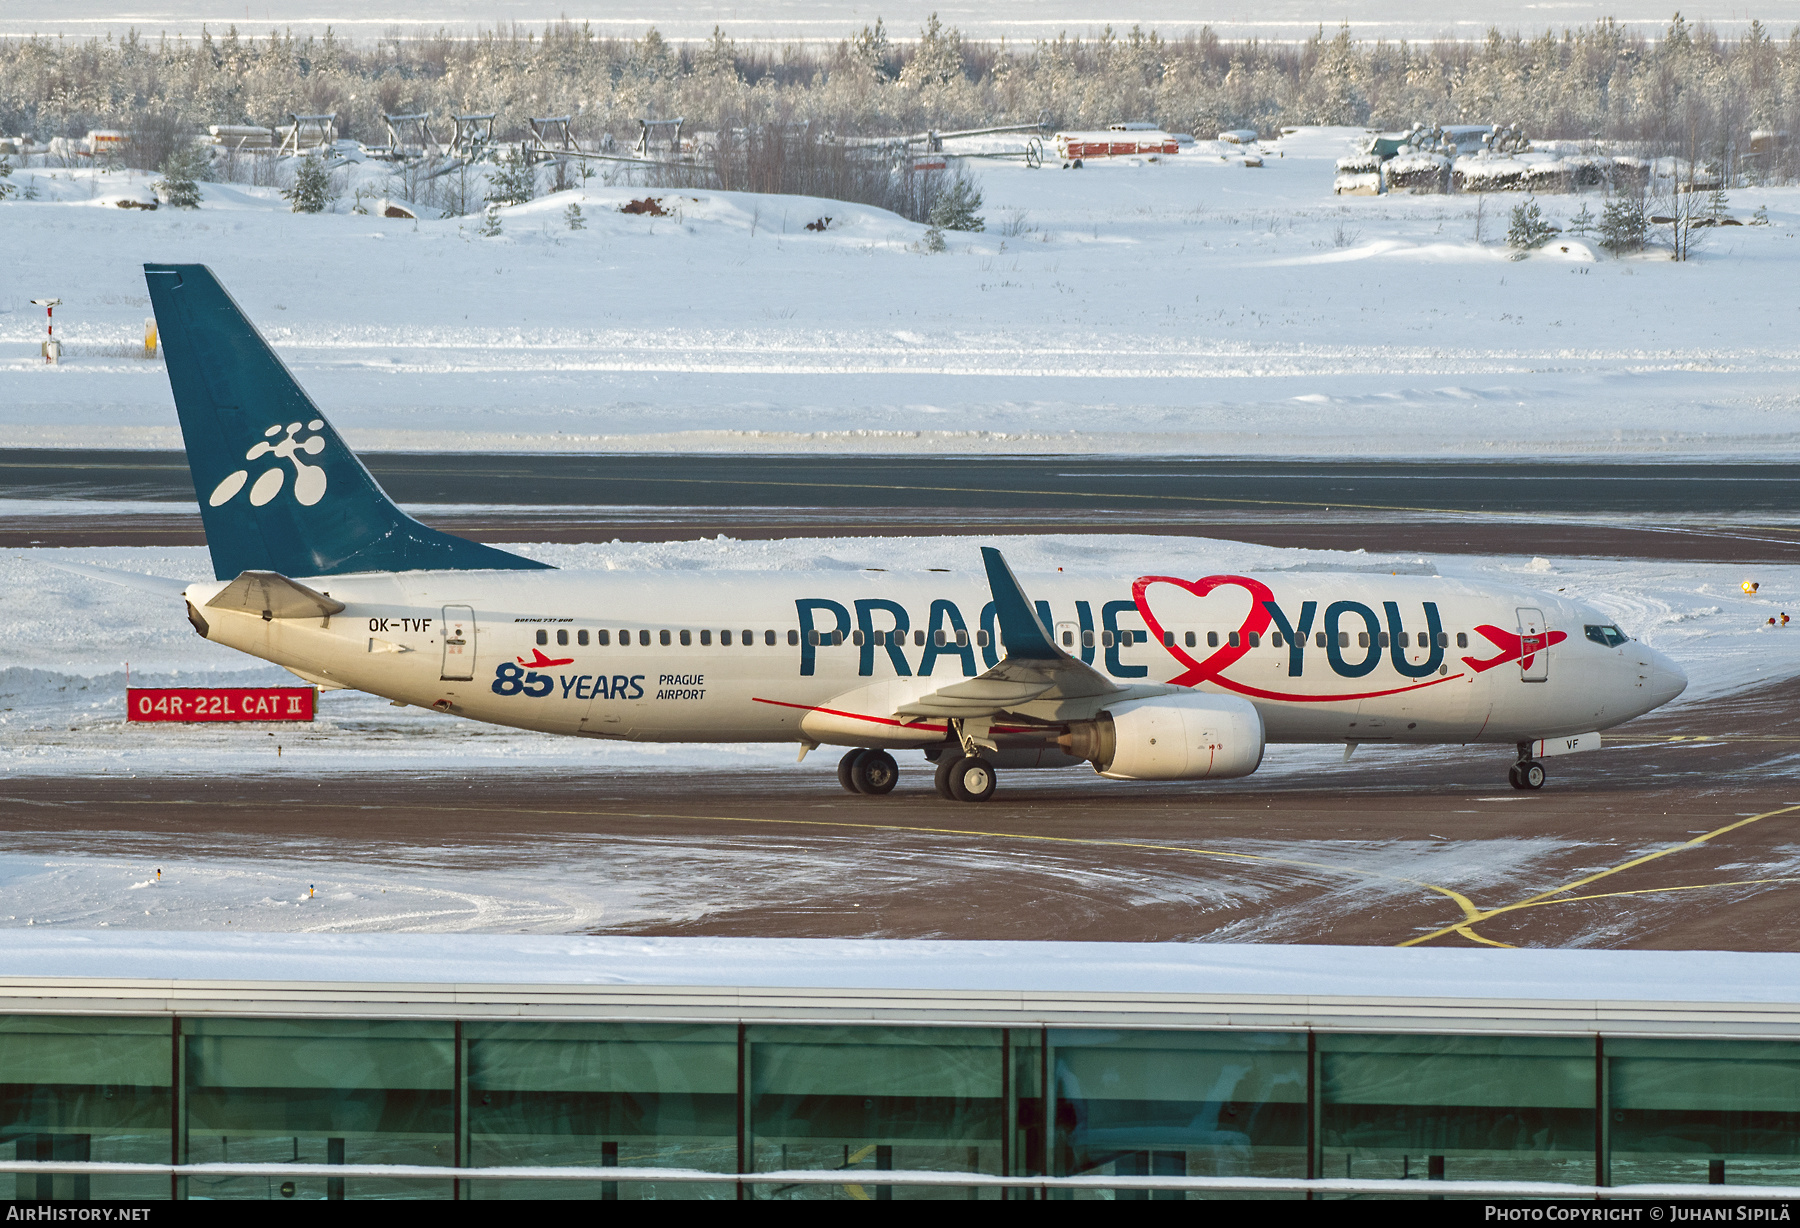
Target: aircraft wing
<point>273,596</point>
<point>1033,669</point>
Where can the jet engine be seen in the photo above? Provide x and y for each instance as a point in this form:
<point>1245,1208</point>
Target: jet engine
<point>1171,737</point>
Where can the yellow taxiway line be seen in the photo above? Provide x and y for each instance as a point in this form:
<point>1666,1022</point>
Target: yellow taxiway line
<point>1463,926</point>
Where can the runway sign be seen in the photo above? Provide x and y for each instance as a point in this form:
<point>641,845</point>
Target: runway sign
<point>271,703</point>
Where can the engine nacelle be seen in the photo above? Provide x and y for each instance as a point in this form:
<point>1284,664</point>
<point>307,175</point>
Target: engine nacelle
<point>1171,737</point>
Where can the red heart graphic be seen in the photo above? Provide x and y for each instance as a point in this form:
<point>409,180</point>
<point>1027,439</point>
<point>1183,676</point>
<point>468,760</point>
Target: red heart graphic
<point>1256,621</point>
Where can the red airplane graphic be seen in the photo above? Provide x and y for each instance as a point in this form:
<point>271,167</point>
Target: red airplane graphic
<point>1520,648</point>
<point>540,661</point>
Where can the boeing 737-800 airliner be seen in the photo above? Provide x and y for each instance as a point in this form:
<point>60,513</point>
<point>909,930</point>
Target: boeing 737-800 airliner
<point>1179,676</point>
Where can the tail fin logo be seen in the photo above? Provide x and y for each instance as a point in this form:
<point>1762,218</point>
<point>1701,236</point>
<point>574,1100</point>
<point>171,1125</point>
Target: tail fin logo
<point>309,480</point>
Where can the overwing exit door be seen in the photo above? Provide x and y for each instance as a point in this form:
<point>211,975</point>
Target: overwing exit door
<point>1534,646</point>
<point>459,644</point>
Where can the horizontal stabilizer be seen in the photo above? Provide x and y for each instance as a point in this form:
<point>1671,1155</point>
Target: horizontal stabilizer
<point>273,596</point>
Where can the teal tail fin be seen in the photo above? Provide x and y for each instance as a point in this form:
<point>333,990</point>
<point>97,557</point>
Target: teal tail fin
<point>278,489</point>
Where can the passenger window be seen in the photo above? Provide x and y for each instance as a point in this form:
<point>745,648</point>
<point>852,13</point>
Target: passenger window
<point>725,639</point>
<point>1232,639</point>
<point>1319,639</point>
<point>856,637</point>
<point>687,639</point>
<point>543,637</point>
<point>1192,639</point>
<point>1462,639</point>
<point>1255,640</point>
<point>1362,639</point>
<point>1087,639</point>
<point>981,639</point>
<point>837,637</point>
<point>1275,639</point>
<point>1106,639</point>
<point>750,638</point>
<point>812,637</point>
<point>962,639</point>
<point>1343,639</point>
<point>769,638</point>
<point>643,639</point>
<point>1168,639</point>
<point>938,638</point>
<point>562,639</point>
<point>1212,639</point>
<point>705,639</point>
<point>1068,639</point>
<point>603,638</point>
<point>581,637</point>
<point>663,638</point>
<point>1384,639</point>
<point>1443,639</point>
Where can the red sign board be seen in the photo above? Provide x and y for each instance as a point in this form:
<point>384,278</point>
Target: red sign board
<point>250,703</point>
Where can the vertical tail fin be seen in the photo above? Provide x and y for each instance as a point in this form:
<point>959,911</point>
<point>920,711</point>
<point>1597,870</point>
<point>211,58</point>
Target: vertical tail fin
<point>278,489</point>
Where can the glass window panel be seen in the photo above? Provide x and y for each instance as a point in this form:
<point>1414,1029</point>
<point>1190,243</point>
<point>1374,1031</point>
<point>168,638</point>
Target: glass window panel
<point>1677,1106</point>
<point>602,1094</point>
<point>1494,1107</point>
<point>84,1089</point>
<point>1180,1103</point>
<point>318,1092</point>
<point>875,1098</point>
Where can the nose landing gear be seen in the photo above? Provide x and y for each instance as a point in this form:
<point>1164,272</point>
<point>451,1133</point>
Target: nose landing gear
<point>1527,773</point>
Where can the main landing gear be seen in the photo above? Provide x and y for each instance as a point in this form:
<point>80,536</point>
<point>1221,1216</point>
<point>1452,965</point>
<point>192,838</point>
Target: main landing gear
<point>960,777</point>
<point>868,771</point>
<point>1527,773</point>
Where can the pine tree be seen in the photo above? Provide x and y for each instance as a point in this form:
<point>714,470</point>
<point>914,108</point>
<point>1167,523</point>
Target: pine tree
<point>179,187</point>
<point>515,182</point>
<point>1528,228</point>
<point>1584,222</point>
<point>6,189</point>
<point>311,192</point>
<point>1718,205</point>
<point>955,207</point>
<point>1624,225</point>
<point>572,215</point>
<point>934,240</point>
<point>1761,216</point>
<point>490,221</point>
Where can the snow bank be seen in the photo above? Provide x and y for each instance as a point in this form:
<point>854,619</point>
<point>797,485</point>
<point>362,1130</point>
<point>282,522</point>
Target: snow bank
<point>1043,967</point>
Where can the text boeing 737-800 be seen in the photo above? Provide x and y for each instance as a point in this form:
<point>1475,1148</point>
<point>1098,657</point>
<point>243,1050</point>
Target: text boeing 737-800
<point>1152,677</point>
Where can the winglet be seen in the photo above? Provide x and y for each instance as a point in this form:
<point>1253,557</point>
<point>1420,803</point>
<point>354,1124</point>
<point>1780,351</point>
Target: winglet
<point>1022,633</point>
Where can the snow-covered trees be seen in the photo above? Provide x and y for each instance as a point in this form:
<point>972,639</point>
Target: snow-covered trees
<point>1624,224</point>
<point>956,205</point>
<point>1528,228</point>
<point>182,171</point>
<point>514,182</point>
<point>311,192</point>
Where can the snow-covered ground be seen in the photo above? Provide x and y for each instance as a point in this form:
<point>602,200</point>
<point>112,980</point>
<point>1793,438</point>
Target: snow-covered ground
<point>63,661</point>
<point>820,20</point>
<point>1191,305</point>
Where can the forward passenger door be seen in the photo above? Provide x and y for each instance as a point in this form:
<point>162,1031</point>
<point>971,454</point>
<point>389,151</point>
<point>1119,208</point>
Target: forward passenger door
<point>1534,645</point>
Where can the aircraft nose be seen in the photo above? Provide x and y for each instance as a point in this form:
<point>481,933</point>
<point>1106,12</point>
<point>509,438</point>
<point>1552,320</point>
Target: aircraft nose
<point>1667,679</point>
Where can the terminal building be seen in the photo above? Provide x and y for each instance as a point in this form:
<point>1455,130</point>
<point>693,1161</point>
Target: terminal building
<point>746,1057</point>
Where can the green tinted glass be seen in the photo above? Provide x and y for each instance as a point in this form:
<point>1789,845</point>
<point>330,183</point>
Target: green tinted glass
<point>84,1089</point>
<point>1180,1103</point>
<point>861,1098</point>
<point>1689,1110</point>
<point>319,1092</point>
<point>1463,1107</point>
<point>602,1094</point>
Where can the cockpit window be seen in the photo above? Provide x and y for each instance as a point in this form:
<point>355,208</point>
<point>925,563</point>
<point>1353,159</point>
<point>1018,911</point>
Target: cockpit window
<point>1608,637</point>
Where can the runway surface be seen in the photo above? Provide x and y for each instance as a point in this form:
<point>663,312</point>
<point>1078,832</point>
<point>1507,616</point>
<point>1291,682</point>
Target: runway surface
<point>1163,484</point>
<point>1680,833</point>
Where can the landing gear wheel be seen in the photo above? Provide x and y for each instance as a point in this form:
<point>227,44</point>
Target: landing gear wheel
<point>972,779</point>
<point>1531,775</point>
<point>1512,777</point>
<point>946,762</point>
<point>875,773</point>
<point>847,770</point>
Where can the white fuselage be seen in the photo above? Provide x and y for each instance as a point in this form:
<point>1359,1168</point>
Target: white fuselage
<point>729,656</point>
